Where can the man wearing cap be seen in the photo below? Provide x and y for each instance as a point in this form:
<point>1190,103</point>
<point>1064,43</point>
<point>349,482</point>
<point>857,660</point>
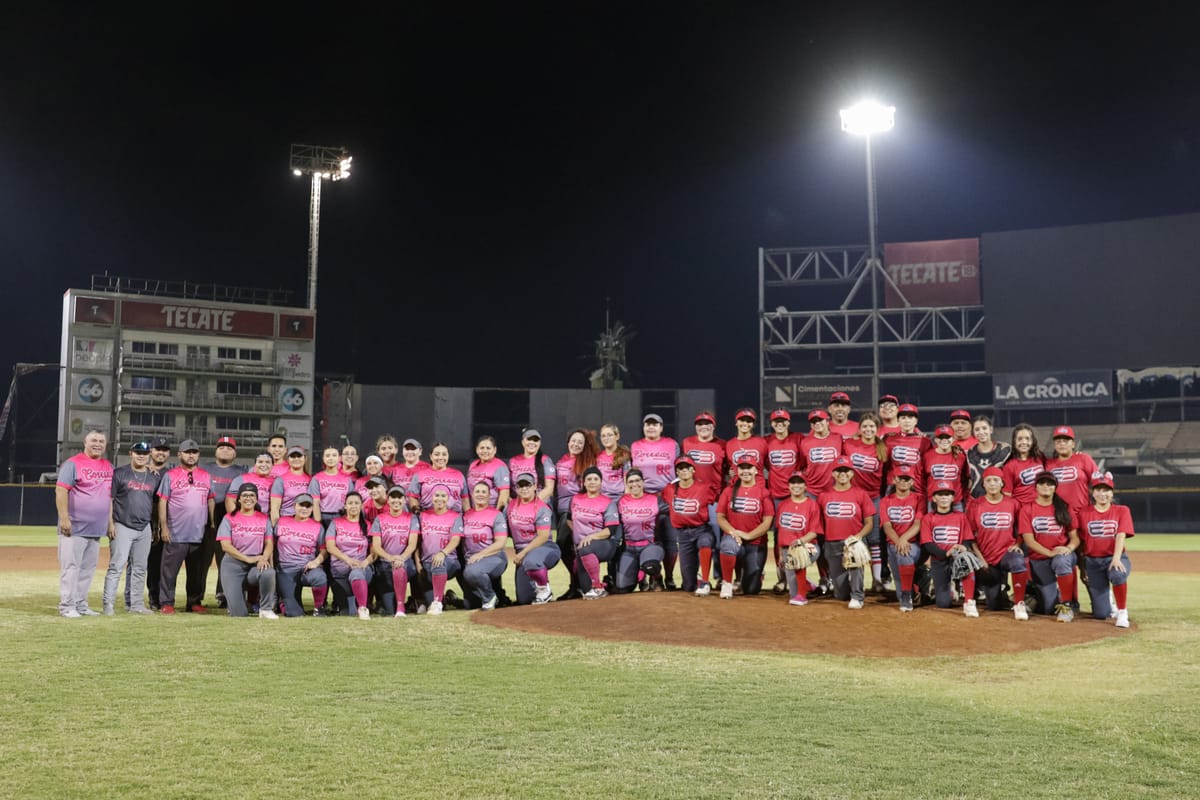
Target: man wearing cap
<point>889,405</point>
<point>290,485</point>
<point>248,541</point>
<point>1071,468</point>
<point>784,460</point>
<point>688,500</point>
<point>744,513</point>
<point>160,453</point>
<point>185,509</point>
<point>746,445</point>
<point>133,489</point>
<point>849,514</point>
<point>960,424</point>
<point>839,412</point>
<point>900,515</point>
<point>818,451</point>
<point>83,499</point>
<point>223,472</point>
<point>908,447</point>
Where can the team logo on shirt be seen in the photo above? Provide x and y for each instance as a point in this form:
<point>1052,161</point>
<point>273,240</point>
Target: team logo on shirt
<point>702,456</point>
<point>1029,475</point>
<point>944,472</point>
<point>752,455</point>
<point>781,458</point>
<point>996,519</point>
<point>685,505</point>
<point>840,510</point>
<point>1066,474</point>
<point>746,505</point>
<point>793,521</point>
<point>1047,526</point>
<point>822,455</point>
<point>946,534</point>
<point>898,515</point>
<point>863,462</point>
<point>1102,528</point>
<point>903,454</point>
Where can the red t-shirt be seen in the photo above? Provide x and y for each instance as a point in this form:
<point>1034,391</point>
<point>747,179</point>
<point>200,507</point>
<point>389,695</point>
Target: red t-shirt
<point>902,512</point>
<point>1040,521</point>
<point>845,513</point>
<point>1019,477</point>
<point>1073,474</point>
<point>783,459</point>
<point>994,526</point>
<point>819,455</point>
<point>688,507</point>
<point>754,448</point>
<point>1099,529</point>
<point>795,520</point>
<point>711,466</point>
<point>947,467</point>
<point>745,507</point>
<point>946,530</point>
<point>908,450</point>
<point>868,469</point>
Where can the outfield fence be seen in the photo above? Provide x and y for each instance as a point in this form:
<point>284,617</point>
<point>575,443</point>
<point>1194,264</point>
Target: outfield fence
<point>27,504</point>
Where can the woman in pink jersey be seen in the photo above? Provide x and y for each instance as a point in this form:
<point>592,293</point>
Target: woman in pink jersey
<point>385,447</point>
<point>595,532</point>
<point>529,526</point>
<point>485,532</point>
<point>349,546</point>
<point>300,561</point>
<point>1104,528</point>
<point>613,461</point>
<point>372,468</point>
<point>259,477</point>
<point>248,542</point>
<point>349,461</point>
<point>533,460</point>
<point>441,533</point>
<point>868,455</point>
<point>1026,463</point>
<point>491,470</point>
<point>641,555</point>
<point>581,454</point>
<point>394,535</point>
<point>1051,537</point>
<point>654,455</point>
<point>993,519</point>
<point>291,484</point>
<point>438,475</point>
<point>332,483</point>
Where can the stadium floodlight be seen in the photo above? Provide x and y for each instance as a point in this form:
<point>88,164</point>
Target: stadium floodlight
<point>865,119</point>
<point>322,163</point>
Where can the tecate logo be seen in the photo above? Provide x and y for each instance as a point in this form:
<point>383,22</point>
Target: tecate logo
<point>292,399</point>
<point>91,390</point>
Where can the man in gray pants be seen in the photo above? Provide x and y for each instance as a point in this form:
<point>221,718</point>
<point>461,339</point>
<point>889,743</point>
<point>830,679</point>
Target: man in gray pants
<point>133,489</point>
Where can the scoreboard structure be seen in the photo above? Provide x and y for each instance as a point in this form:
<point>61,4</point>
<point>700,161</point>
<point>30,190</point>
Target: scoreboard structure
<point>138,363</point>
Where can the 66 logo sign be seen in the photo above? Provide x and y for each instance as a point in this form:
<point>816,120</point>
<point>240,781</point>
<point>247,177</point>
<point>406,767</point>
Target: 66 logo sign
<point>90,391</point>
<point>292,399</point>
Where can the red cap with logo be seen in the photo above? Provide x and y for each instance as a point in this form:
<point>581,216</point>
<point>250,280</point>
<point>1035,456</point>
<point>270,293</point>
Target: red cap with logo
<point>907,408</point>
<point>818,413</point>
<point>961,413</point>
<point>1063,432</point>
<point>780,413</point>
<point>839,397</point>
<point>842,462</point>
<point>942,486</point>
<point>943,430</point>
<point>705,417</point>
<point>746,413</point>
<point>229,440</point>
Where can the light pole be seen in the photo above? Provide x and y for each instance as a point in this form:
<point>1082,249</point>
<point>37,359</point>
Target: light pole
<point>864,119</point>
<point>322,163</point>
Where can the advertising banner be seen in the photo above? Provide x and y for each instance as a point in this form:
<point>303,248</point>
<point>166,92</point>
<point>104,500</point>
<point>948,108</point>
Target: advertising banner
<point>802,395</point>
<point>192,318</point>
<point>933,274</point>
<point>92,354</point>
<point>1053,390</point>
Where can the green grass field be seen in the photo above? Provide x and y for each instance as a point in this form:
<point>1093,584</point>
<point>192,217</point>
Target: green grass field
<point>207,706</point>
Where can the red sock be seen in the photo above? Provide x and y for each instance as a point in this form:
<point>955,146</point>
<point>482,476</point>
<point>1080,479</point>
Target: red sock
<point>906,577</point>
<point>359,587</point>
<point>592,564</point>
<point>1065,587</point>
<point>319,595</point>
<point>728,566</point>
<point>538,576</point>
<point>1018,581</point>
<point>1120,592</point>
<point>439,586</point>
<point>969,587</point>
<point>400,584</point>
<point>706,563</point>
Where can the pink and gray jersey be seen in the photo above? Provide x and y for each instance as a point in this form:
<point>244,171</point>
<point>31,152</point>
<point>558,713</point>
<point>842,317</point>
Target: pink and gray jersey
<point>248,533</point>
<point>656,460</point>
<point>438,530</point>
<point>88,482</point>
<point>297,542</point>
<point>279,469</point>
<point>262,482</point>
<point>428,480</point>
<point>526,521</point>
<point>395,531</point>
<point>333,490</point>
<point>592,514</point>
<point>494,473</point>
<point>360,485</point>
<point>290,486</point>
<point>711,463</point>
<point>639,515</point>
<point>612,479</point>
<point>567,483</point>
<point>187,494</point>
<point>402,474</point>
<point>482,528</point>
<point>351,539</point>
<point>524,463</point>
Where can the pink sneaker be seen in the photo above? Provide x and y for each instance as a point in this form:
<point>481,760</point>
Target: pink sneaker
<point>798,600</point>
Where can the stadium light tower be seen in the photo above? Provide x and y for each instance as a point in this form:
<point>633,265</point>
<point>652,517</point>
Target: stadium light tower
<point>866,119</point>
<point>322,163</point>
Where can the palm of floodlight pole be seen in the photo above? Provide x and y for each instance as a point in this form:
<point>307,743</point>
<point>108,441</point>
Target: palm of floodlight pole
<point>322,163</point>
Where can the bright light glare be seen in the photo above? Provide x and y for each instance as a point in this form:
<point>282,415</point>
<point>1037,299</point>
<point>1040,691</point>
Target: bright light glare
<point>297,173</point>
<point>868,117</point>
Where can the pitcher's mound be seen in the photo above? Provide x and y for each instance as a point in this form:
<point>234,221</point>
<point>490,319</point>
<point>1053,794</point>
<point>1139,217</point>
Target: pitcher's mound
<point>767,622</point>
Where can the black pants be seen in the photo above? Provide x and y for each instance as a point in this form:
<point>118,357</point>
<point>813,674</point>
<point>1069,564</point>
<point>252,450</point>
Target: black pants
<point>176,555</point>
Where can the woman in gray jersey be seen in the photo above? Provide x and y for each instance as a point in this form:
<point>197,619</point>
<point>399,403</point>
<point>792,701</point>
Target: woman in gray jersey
<point>133,489</point>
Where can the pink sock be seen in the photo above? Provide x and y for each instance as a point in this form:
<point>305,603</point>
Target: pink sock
<point>641,575</point>
<point>400,584</point>
<point>359,587</point>
<point>439,586</point>
<point>592,565</point>
<point>539,576</point>
<point>319,595</point>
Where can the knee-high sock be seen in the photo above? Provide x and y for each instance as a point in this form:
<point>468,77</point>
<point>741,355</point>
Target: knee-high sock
<point>591,565</point>
<point>1120,593</point>
<point>728,566</point>
<point>968,584</point>
<point>359,587</point>
<point>538,576</point>
<point>400,584</point>
<point>906,576</point>
<point>706,563</point>
<point>1066,587</point>
<point>439,586</point>
<point>876,564</point>
<point>319,595</point>
<point>1018,582</point>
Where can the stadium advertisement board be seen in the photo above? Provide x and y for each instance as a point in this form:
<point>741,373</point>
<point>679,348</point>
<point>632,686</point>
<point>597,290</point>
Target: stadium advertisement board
<point>802,395</point>
<point>1081,388</point>
<point>932,274</point>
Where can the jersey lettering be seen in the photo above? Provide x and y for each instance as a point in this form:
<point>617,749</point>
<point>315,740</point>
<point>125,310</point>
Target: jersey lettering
<point>903,454</point>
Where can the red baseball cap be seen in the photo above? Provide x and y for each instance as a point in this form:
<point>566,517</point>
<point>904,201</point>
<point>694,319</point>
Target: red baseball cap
<point>747,461</point>
<point>229,440</point>
<point>1063,432</point>
<point>943,430</point>
<point>744,413</point>
<point>903,471</point>
<point>961,413</point>
<point>908,408</point>
<point>842,462</point>
<point>942,487</point>
<point>704,416</point>
<point>993,472</point>
<point>685,461</point>
<point>818,413</point>
<point>780,413</point>
<point>797,476</point>
<point>889,398</point>
<point>1102,479</point>
<point>839,397</point>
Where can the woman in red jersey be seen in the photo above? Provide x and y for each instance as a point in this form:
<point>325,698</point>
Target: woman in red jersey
<point>868,455</point>
<point>1051,537</point>
<point>1023,468</point>
<point>1073,469</point>
<point>1104,527</point>
<point>993,520</point>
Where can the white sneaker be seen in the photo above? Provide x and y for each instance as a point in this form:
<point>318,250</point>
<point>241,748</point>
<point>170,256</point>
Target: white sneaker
<point>855,604</point>
<point>108,610</point>
<point>1020,612</point>
<point>703,590</point>
<point>399,613</point>
<point>435,608</point>
<point>266,613</point>
<point>969,609</point>
<point>726,590</point>
<point>543,594</point>
<point>363,612</point>
<point>70,613</point>
<point>87,612</point>
<point>1065,614</point>
<point>595,593</point>
<point>1123,618</point>
<point>488,605</point>
<point>421,609</point>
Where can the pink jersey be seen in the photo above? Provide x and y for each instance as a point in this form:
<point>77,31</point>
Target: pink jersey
<point>1041,522</point>
<point>261,482</point>
<point>395,531</point>
<point>868,468</point>
<point>351,539</point>
<point>819,455</point>
<point>402,474</point>
<point>711,463</point>
<point>88,482</point>
<point>187,495</point>
<point>438,531</point>
<point>567,483</point>
<point>288,487</point>
<point>248,533</point>
<point>592,514</point>
<point>847,429</point>
<point>481,529</point>
<point>1099,529</point>
<point>428,480</point>
<point>1019,477</point>
<point>389,469</point>
<point>795,520</point>
<point>949,467</point>
<point>994,526</point>
<point>281,468</point>
<point>908,450</point>
<point>526,521</point>
<point>901,512</point>
<point>333,490</point>
<point>523,463</point>
<point>656,460</point>
<point>845,512</point>
<point>297,542</point>
<point>494,473</point>
<point>753,448</point>
<point>1073,474</point>
<point>946,530</point>
<point>612,478</point>
<point>746,507</point>
<point>639,516</point>
<point>783,459</point>
<point>688,506</point>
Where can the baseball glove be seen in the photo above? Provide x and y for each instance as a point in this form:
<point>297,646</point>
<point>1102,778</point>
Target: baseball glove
<point>855,554</point>
<point>798,558</point>
<point>964,562</point>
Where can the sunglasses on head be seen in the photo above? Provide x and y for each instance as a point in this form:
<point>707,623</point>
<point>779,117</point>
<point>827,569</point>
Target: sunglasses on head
<point>192,478</point>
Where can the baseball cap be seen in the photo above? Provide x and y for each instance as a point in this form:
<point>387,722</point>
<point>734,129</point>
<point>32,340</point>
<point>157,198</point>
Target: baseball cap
<point>942,487</point>
<point>249,488</point>
<point>705,417</point>
<point>943,430</point>
<point>1102,479</point>
<point>413,443</point>
<point>229,440</point>
<point>889,398</point>
<point>993,472</point>
<point>160,443</point>
<point>746,413</point>
<point>908,409</point>
<point>961,413</point>
<point>818,413</point>
<point>903,471</point>
<point>526,477</point>
<point>140,447</point>
<point>797,477</point>
<point>530,433</point>
<point>302,499</point>
<point>842,462</point>
<point>780,413</point>
<point>652,418</point>
<point>188,446</point>
<point>376,481</point>
<point>1063,432</point>
<point>746,461</point>
<point>839,397</point>
<point>684,461</point>
<point>1046,476</point>
<point>295,450</point>
<point>396,490</point>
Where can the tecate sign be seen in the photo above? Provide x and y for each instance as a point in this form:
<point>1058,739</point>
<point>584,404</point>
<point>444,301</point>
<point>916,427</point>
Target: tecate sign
<point>1052,390</point>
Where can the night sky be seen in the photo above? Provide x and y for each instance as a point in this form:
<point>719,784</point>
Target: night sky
<point>515,164</point>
